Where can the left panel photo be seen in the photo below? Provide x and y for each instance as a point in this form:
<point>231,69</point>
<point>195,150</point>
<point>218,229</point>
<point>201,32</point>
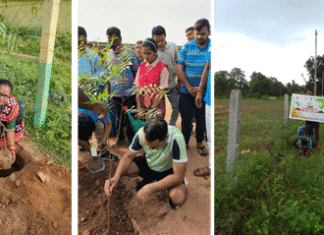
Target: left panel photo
<point>35,117</point>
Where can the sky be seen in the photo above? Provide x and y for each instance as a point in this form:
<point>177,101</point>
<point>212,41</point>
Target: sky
<point>273,37</point>
<point>136,18</point>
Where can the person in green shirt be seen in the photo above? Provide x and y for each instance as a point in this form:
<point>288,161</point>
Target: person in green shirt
<point>162,167</point>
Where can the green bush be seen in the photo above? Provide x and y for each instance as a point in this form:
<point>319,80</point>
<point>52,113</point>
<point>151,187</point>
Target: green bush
<point>264,97</point>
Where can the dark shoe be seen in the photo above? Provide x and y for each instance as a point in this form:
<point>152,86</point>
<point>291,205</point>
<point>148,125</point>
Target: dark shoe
<point>202,151</point>
<point>109,157</point>
<point>172,205</point>
<point>142,184</point>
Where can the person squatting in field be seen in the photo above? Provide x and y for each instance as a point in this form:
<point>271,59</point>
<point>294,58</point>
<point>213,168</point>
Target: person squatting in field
<point>162,167</point>
<point>305,140</point>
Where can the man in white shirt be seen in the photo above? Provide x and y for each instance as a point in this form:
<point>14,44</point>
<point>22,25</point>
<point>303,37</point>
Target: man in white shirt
<point>168,53</point>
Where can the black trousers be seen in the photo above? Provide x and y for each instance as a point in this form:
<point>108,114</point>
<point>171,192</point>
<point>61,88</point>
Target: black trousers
<point>304,142</point>
<point>117,112</point>
<point>187,107</point>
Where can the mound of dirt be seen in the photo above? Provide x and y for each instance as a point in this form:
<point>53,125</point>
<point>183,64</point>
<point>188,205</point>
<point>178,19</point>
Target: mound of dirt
<point>35,197</point>
<point>93,205</point>
<point>6,160</point>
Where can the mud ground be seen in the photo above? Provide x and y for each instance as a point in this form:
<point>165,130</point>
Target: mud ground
<point>155,217</point>
<point>35,195</point>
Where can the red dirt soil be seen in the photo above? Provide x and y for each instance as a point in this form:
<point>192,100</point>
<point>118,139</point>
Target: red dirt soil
<point>36,199</point>
<point>155,217</point>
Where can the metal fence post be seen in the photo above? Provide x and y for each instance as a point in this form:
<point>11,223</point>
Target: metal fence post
<point>233,129</point>
<point>286,109</point>
<point>46,59</point>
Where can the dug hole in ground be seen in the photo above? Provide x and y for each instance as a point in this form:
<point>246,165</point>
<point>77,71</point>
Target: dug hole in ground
<point>35,194</point>
<point>155,217</point>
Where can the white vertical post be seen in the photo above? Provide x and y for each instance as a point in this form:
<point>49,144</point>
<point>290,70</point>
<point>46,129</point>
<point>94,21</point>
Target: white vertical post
<point>233,129</point>
<point>286,109</point>
<point>315,62</point>
<point>45,60</point>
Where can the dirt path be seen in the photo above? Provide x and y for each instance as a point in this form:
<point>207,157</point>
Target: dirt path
<point>155,217</point>
<point>37,198</point>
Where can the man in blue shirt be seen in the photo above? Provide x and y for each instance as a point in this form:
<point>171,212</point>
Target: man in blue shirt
<point>122,83</point>
<point>302,142</point>
<point>205,171</point>
<point>189,69</point>
<point>88,59</point>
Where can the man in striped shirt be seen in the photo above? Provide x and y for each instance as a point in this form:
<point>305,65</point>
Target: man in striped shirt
<point>162,167</point>
<point>189,69</point>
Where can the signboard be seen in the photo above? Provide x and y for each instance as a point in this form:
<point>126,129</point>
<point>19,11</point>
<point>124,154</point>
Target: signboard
<point>306,107</point>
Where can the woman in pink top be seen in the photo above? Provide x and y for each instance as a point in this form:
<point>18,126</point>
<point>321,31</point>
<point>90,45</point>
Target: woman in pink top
<point>152,77</point>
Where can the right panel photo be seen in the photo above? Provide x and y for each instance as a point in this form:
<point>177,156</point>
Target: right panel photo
<point>268,67</point>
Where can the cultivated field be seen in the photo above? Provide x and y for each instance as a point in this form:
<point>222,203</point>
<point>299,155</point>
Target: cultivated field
<point>262,201</point>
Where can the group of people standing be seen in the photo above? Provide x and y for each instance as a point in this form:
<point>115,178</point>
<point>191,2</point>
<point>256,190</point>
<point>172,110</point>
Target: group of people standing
<point>156,70</point>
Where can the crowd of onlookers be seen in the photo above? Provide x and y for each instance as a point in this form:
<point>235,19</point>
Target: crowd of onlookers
<point>156,71</point>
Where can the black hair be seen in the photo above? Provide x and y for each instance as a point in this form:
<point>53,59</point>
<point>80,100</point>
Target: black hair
<point>113,31</point>
<point>190,29</point>
<point>86,126</point>
<point>82,31</point>
<point>6,82</point>
<point>151,43</point>
<point>139,42</point>
<point>155,128</point>
<point>200,24</point>
<point>158,30</point>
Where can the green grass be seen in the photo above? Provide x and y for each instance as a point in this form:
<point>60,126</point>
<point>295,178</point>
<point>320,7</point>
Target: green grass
<point>274,209</point>
<point>55,136</point>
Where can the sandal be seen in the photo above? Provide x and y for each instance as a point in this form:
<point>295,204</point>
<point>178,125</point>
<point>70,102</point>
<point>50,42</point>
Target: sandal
<point>202,151</point>
<point>201,172</point>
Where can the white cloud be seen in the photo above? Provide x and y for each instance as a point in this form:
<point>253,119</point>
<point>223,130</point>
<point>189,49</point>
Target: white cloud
<point>284,63</point>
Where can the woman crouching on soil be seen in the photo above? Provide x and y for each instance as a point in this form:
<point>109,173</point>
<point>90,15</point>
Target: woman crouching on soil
<point>12,119</point>
<point>151,79</point>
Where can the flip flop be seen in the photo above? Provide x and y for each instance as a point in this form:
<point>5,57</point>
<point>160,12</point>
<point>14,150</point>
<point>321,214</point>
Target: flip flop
<point>201,151</point>
<point>201,172</point>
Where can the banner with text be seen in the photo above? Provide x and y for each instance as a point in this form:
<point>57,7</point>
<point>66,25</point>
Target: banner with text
<point>305,107</point>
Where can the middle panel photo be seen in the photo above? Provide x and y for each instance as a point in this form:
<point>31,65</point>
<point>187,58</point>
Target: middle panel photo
<point>144,117</point>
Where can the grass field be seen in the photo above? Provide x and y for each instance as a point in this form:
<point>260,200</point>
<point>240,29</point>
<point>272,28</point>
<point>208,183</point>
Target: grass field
<point>261,202</point>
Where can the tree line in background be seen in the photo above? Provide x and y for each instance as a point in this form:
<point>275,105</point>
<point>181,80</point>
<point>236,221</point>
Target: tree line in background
<point>261,85</point>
